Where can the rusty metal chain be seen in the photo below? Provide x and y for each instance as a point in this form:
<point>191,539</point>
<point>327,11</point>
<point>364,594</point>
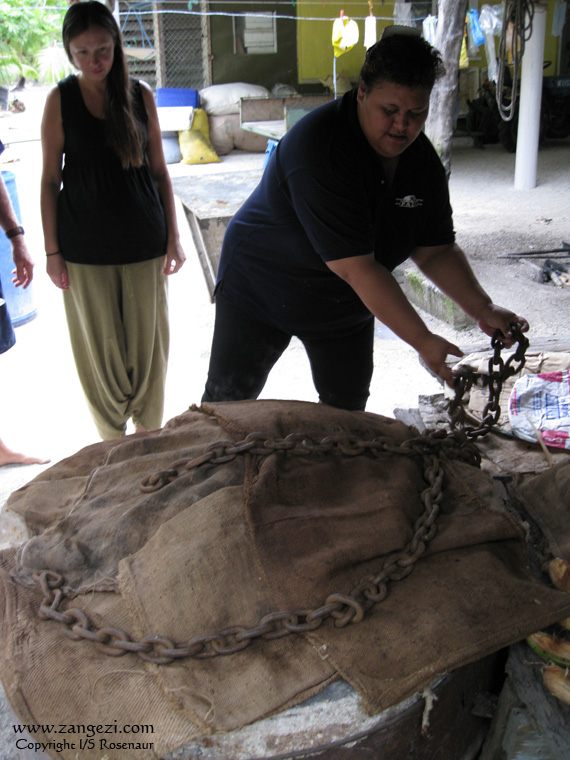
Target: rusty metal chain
<point>295,444</point>
<point>341,608</point>
<point>499,371</point>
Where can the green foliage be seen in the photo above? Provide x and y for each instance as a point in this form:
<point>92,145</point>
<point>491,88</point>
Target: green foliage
<point>26,28</point>
<point>53,64</point>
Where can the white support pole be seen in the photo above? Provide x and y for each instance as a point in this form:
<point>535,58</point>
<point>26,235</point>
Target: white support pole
<point>529,105</point>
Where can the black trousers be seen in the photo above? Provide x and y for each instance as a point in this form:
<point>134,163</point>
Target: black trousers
<point>244,350</point>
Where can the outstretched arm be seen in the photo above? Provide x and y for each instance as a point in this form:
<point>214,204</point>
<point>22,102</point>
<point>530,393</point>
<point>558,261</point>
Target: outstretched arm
<point>448,268</point>
<point>380,292</point>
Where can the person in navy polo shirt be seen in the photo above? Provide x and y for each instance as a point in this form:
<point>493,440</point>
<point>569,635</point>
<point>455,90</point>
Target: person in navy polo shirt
<point>351,191</point>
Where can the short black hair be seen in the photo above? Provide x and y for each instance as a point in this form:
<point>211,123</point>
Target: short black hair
<point>403,59</point>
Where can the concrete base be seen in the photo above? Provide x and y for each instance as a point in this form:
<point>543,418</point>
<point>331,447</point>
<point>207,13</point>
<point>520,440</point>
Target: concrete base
<point>424,294</point>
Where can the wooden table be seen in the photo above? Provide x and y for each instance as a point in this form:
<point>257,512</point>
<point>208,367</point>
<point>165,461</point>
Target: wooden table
<point>209,203</point>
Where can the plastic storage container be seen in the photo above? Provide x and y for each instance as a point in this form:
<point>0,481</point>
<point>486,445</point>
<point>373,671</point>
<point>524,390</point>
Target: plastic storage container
<point>173,97</point>
<point>20,302</point>
<point>176,96</point>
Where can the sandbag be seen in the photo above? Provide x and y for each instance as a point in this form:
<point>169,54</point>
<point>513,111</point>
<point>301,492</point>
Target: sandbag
<point>195,145</point>
<point>317,502</point>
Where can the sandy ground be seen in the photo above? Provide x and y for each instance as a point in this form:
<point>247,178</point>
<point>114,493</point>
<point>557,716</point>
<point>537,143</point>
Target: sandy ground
<point>42,409</point>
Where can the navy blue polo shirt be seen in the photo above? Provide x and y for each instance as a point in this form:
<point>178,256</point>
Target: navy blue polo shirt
<point>324,196</point>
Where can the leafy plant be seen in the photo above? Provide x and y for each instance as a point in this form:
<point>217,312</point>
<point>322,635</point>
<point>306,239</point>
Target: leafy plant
<point>26,28</point>
<point>53,64</point>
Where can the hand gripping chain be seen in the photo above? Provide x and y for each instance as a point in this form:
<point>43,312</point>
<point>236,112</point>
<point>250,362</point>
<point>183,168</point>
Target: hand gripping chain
<point>499,371</point>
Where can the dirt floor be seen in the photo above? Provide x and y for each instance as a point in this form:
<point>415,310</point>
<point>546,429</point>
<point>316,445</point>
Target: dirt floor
<point>42,408</point>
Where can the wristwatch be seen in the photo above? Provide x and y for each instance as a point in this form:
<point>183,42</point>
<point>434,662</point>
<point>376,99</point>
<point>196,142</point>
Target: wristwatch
<point>14,231</point>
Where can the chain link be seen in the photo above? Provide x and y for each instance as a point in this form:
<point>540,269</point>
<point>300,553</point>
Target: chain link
<point>342,609</point>
<point>499,371</point>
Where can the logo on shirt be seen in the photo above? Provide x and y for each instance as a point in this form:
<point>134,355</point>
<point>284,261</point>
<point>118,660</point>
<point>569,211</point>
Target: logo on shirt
<point>409,201</point>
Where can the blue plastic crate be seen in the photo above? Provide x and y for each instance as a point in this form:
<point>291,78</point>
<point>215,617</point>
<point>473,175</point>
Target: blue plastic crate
<point>176,96</point>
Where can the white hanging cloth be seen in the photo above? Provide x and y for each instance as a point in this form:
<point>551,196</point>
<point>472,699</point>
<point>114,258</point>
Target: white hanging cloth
<point>369,31</point>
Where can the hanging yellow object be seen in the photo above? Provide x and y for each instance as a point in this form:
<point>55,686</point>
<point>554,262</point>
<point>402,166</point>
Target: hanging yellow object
<point>463,57</point>
<point>344,35</point>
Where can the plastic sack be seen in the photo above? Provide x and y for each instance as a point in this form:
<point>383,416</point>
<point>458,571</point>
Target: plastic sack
<point>195,145</point>
<point>474,29</point>
<point>429,27</point>
<point>464,56</point>
<point>491,24</point>
<point>472,49</point>
<point>403,13</point>
<point>370,35</point>
<point>344,35</point>
<point>539,405</point>
<point>491,19</point>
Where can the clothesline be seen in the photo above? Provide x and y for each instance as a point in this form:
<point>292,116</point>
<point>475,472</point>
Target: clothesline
<point>265,15</point>
<point>233,3</point>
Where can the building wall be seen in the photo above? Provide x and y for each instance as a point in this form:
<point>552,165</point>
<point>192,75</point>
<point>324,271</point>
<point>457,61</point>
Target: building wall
<point>314,38</point>
<point>265,69</point>
<point>182,59</point>
<point>304,54</point>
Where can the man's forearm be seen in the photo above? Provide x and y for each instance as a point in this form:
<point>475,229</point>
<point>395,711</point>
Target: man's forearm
<point>447,267</point>
<point>8,218</point>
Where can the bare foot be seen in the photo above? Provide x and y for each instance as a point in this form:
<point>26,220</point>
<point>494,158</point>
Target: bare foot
<point>7,456</point>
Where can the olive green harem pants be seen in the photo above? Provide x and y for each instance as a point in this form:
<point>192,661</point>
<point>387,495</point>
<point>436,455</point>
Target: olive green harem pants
<point>118,326</point>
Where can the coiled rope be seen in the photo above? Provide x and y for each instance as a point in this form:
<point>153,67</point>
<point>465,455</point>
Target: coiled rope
<point>515,33</point>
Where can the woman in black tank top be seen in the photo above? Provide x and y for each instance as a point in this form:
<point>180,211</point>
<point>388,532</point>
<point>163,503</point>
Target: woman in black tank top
<point>109,221</point>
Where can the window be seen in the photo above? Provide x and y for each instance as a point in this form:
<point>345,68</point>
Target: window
<point>255,34</point>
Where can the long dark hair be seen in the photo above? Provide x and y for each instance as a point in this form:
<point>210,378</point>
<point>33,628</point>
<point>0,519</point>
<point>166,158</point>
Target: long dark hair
<point>123,132</point>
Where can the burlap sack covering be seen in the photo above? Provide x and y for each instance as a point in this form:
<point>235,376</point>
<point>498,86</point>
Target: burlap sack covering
<point>225,544</point>
<point>547,497</point>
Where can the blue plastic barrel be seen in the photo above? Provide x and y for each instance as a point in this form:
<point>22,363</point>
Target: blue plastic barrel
<point>20,302</point>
